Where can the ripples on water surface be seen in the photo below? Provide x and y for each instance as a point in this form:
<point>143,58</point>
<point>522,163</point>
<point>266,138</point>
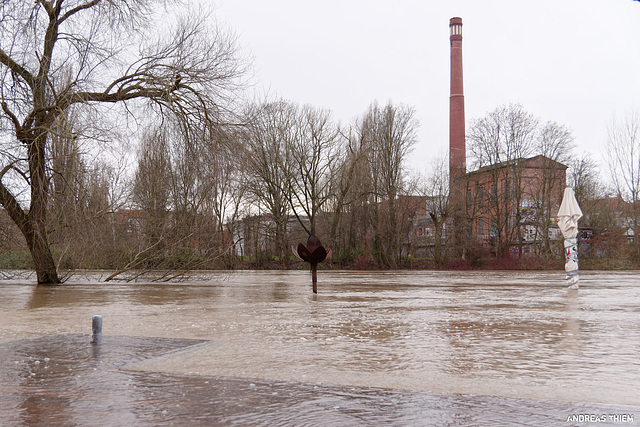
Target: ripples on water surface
<point>504,334</point>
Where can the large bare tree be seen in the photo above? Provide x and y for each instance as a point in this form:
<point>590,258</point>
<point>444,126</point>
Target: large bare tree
<point>623,159</point>
<point>152,186</point>
<point>350,190</point>
<point>58,55</point>
<point>583,177</point>
<point>436,188</point>
<point>268,164</point>
<point>555,143</point>
<point>391,133</point>
<point>598,209</point>
<point>314,155</point>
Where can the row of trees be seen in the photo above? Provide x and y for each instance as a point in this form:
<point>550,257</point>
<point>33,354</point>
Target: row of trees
<point>198,201</point>
<point>192,201</point>
<point>300,162</point>
<point>72,87</point>
<point>75,95</point>
<point>184,203</point>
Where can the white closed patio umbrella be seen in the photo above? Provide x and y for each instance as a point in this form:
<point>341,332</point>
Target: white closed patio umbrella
<point>568,216</point>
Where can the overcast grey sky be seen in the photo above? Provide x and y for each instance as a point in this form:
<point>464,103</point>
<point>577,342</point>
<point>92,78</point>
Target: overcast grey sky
<point>576,62</point>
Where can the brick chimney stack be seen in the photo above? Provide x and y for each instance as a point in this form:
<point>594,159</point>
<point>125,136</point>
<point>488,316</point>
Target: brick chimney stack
<point>457,148</point>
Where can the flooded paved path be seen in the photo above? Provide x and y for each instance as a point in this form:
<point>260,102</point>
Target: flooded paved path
<point>256,348</point>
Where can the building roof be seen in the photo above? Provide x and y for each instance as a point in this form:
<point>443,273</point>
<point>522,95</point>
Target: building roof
<point>535,162</point>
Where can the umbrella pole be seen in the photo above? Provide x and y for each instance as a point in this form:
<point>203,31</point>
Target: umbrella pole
<point>571,261</point>
<point>314,277</point>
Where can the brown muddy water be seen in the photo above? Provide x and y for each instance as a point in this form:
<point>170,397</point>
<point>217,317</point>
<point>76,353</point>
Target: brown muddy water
<point>372,348</point>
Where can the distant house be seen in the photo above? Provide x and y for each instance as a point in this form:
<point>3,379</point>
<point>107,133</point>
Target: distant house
<point>418,231</point>
<point>607,227</point>
<point>413,222</point>
<point>612,214</point>
<point>256,235</point>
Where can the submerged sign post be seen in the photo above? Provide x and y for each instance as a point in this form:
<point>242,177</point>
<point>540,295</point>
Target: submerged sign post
<point>568,217</point>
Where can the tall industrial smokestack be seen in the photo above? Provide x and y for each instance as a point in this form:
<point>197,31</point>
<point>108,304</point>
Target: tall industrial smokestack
<point>457,148</point>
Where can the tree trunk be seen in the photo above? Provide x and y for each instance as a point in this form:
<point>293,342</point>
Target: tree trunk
<point>32,223</point>
<point>438,256</point>
<point>43,262</point>
<point>34,228</point>
<point>281,242</point>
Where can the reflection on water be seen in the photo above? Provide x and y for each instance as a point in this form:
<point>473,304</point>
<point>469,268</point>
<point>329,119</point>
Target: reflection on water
<point>512,335</point>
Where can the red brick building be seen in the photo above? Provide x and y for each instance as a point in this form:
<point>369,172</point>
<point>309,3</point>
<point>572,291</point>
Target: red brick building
<point>512,206</point>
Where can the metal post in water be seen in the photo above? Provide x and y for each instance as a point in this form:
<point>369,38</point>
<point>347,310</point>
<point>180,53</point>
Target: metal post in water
<point>314,277</point>
<point>96,327</point>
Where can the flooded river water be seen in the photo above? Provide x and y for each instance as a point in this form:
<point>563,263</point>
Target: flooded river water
<point>410,348</point>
